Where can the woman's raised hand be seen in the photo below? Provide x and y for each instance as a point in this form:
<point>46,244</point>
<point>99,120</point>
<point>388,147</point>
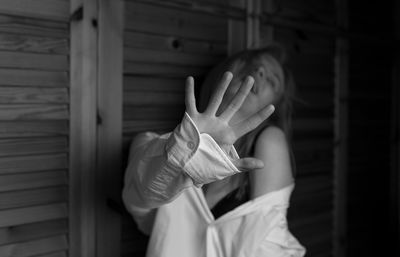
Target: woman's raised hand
<point>218,127</point>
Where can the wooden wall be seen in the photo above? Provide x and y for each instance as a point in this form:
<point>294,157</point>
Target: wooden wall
<point>34,117</point>
<point>311,52</point>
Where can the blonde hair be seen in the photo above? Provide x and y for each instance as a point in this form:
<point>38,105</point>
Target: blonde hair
<point>238,64</point>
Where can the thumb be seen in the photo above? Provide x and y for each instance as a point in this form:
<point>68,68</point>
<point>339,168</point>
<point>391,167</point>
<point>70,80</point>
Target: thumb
<point>248,164</point>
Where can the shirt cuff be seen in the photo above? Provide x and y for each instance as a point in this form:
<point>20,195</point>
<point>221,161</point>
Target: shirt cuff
<point>200,157</point>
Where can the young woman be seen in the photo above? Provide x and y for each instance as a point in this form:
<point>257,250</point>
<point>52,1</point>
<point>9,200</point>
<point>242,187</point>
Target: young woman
<point>186,188</point>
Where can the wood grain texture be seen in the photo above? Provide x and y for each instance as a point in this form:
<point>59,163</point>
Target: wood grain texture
<point>27,95</point>
<point>19,164</point>
<point>142,40</point>
<point>153,84</point>
<point>33,112</point>
<point>49,9</point>
<point>33,146</point>
<point>161,70</point>
<point>25,198</point>
<point>21,233</point>
<point>33,61</point>
<point>33,44</point>
<point>35,247</point>
<point>170,21</point>
<point>27,215</point>
<point>34,180</point>
<point>36,27</point>
<point>14,77</point>
<point>13,129</point>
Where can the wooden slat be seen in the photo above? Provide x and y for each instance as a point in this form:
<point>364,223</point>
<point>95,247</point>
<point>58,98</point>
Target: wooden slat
<point>33,180</point>
<point>33,112</point>
<point>34,44</point>
<point>154,113</point>
<point>171,43</point>
<point>27,26</point>
<point>19,199</point>
<point>10,235</point>
<point>27,215</point>
<point>16,95</point>
<point>33,163</point>
<point>16,77</point>
<point>30,146</point>
<point>169,57</point>
<point>57,254</point>
<point>51,9</point>
<point>33,61</point>
<point>169,21</point>
<point>153,84</point>
<point>33,128</point>
<point>148,98</point>
<point>41,246</point>
<point>131,127</point>
<point>171,71</point>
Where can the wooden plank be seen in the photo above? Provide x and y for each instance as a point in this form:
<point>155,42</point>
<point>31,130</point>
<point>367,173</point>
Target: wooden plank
<point>109,144</point>
<point>172,22</point>
<point>57,254</point>
<point>33,146</point>
<point>33,128</point>
<point>27,215</point>
<point>131,127</point>
<point>25,198</point>
<point>33,44</point>
<point>17,164</point>
<point>10,235</point>
<point>83,128</point>
<point>153,84</point>
<point>154,113</point>
<point>170,71</point>
<point>35,180</point>
<point>169,57</point>
<point>40,246</point>
<point>33,112</point>
<point>27,26</point>
<point>147,98</point>
<point>49,9</point>
<point>28,95</point>
<point>33,61</point>
<point>133,39</point>
<point>17,77</point>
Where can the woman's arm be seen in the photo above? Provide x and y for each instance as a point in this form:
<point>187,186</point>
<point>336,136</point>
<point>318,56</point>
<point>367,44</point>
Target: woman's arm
<point>272,149</point>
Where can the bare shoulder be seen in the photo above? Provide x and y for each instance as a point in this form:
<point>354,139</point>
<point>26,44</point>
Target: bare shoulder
<point>273,149</point>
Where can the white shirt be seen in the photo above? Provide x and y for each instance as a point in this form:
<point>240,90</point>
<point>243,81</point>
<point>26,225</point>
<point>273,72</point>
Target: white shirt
<point>162,192</point>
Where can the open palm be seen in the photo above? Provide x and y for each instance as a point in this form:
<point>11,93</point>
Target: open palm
<point>219,127</point>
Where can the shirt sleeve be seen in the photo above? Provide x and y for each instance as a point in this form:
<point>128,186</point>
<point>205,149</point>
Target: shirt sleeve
<point>161,167</point>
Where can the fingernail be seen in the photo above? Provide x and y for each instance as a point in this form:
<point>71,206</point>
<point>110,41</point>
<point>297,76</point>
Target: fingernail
<point>259,164</point>
<point>271,109</point>
<point>228,75</point>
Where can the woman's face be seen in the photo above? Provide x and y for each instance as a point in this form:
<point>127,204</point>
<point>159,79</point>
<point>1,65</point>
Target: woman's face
<point>268,86</point>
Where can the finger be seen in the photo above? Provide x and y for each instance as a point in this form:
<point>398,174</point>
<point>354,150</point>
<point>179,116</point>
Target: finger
<point>219,92</point>
<point>248,164</point>
<point>190,100</point>
<point>253,122</point>
<point>238,99</point>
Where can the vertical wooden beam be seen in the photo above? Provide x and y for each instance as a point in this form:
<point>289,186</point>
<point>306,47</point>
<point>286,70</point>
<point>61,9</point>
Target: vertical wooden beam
<point>341,134</point>
<point>249,23</point>
<point>83,102</point>
<point>236,31</point>
<point>268,8</point>
<point>110,126</point>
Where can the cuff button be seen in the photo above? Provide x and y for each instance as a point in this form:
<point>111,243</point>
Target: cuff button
<point>190,145</point>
